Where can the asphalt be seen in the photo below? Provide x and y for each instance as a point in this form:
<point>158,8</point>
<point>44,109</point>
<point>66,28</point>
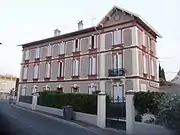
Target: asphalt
<point>17,121</point>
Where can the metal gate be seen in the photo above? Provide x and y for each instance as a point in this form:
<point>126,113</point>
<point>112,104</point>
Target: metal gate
<point>116,113</point>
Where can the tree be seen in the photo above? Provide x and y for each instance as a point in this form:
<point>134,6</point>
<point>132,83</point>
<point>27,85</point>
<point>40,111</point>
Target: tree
<point>163,74</point>
<point>160,72</point>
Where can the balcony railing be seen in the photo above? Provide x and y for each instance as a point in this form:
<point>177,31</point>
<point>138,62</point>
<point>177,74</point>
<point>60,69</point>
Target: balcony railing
<point>116,72</point>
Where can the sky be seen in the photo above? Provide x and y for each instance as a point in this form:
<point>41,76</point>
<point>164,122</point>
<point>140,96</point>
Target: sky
<point>25,21</point>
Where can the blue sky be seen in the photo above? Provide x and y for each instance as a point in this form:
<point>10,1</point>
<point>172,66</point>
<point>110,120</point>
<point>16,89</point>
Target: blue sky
<point>25,21</point>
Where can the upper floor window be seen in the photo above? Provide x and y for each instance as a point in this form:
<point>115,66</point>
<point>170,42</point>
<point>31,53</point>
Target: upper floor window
<point>117,61</point>
<point>76,67</point>
<point>37,52</point>
<point>48,69</point>
<point>76,45</point>
<point>49,50</point>
<point>117,37</point>
<point>92,42</point>
<point>36,71</point>
<point>25,72</point>
<point>92,65</point>
<point>26,54</point>
<point>61,48</point>
<point>152,67</point>
<point>60,69</point>
<point>47,88</point>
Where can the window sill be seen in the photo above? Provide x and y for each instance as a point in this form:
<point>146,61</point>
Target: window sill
<point>117,45</point>
<point>37,58</point>
<point>25,80</point>
<point>76,52</point>
<point>60,78</point>
<point>35,79</point>
<point>92,76</point>
<point>75,77</point>
<point>48,56</point>
<point>47,78</point>
<point>92,49</point>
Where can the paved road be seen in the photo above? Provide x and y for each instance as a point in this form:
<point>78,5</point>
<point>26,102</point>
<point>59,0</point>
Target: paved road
<point>23,122</point>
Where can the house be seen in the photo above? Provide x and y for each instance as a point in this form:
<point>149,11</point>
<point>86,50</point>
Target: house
<point>7,83</point>
<point>116,55</point>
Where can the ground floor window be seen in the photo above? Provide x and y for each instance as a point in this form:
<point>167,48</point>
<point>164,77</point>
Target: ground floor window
<point>59,89</point>
<point>75,89</point>
<point>92,89</point>
<point>118,93</point>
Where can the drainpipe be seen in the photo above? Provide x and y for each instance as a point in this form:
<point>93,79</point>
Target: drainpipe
<point>99,33</point>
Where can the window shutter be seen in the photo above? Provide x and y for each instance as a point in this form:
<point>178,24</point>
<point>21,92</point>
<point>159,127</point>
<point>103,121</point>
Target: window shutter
<point>90,41</point>
<point>48,67</point>
<point>93,65</point>
<point>119,61</point>
<point>117,37</point>
<point>25,72</point>
<point>114,61</point>
<point>152,67</point>
<point>61,48</point>
<point>77,68</point>
<point>74,67</point>
<point>144,64</point>
<point>90,66</point>
<point>74,46</point>
<point>95,41</point>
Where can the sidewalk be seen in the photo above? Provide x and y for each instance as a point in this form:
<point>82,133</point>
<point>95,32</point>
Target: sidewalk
<point>79,124</point>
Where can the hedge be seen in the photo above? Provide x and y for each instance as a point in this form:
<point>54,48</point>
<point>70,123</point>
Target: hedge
<point>86,103</point>
<point>80,102</point>
<point>148,102</point>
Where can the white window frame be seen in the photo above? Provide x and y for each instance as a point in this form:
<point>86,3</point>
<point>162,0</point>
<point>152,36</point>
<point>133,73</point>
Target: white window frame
<point>62,69</point>
<point>117,37</point>
<point>37,52</point>
<point>26,53</point>
<point>117,61</point>
<point>36,71</point>
<point>92,45</point>
<point>61,47</point>
<point>92,89</point>
<point>47,88</point>
<point>78,45</point>
<point>144,63</point>
<point>25,72</point>
<point>75,67</point>
<point>49,50</point>
<point>92,65</point>
<point>48,70</point>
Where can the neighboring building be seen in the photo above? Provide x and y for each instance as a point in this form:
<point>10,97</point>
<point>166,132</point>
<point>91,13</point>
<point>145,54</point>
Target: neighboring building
<point>7,83</point>
<point>94,58</point>
<point>176,79</point>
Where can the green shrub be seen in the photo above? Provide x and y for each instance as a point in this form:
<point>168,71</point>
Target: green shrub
<point>80,102</point>
<point>148,102</point>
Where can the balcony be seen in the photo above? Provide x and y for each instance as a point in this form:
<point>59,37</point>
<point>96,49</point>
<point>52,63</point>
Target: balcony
<point>119,72</point>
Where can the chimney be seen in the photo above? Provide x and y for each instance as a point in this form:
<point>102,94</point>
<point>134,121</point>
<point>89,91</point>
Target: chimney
<point>57,32</point>
<point>80,25</point>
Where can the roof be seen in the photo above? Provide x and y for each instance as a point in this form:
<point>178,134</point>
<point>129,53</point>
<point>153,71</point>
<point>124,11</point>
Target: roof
<point>132,14</point>
<point>138,17</point>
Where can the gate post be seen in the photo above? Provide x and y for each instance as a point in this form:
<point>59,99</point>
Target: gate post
<point>34,101</point>
<point>130,112</point>
<point>101,110</point>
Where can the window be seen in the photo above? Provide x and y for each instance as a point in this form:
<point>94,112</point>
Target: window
<point>118,93</point>
<point>25,72</point>
<point>117,37</point>
<point>144,64</point>
<point>75,89</point>
<point>92,89</point>
<point>49,50</point>
<point>117,61</point>
<point>36,70</point>
<point>61,48</point>
<point>37,52</point>
<point>76,45</point>
<point>92,66</point>
<point>26,54</point>
<point>23,91</point>
<point>92,41</point>
<point>59,89</point>
<point>47,88</point>
<point>60,69</point>
<point>48,69</point>
<point>35,89</point>
<point>75,67</point>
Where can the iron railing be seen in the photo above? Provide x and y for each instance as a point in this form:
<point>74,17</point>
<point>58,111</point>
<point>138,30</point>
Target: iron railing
<point>116,72</point>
